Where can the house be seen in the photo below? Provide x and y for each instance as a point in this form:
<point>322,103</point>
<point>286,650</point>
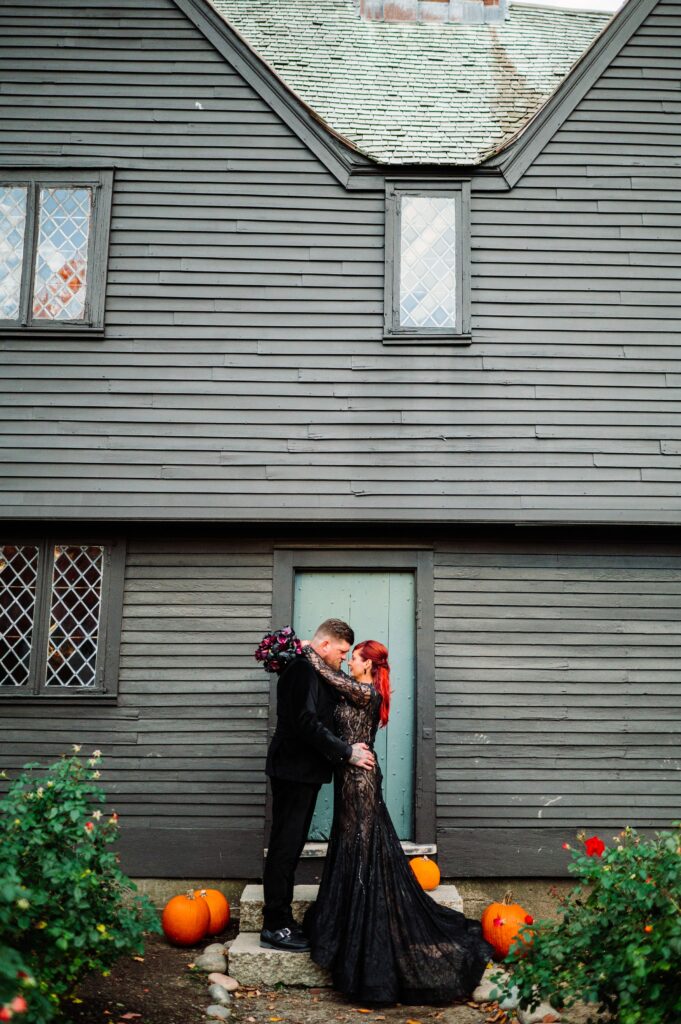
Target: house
<point>316,307</point>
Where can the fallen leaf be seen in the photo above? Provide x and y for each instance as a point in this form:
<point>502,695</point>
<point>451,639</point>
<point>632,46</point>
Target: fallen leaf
<point>410,1021</point>
<point>190,966</point>
<point>140,960</point>
<point>252,1019</point>
<point>276,1018</point>
<point>130,1016</point>
<point>379,1018</point>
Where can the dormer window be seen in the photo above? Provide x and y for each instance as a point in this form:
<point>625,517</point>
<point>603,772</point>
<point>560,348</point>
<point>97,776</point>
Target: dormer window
<point>426,276</point>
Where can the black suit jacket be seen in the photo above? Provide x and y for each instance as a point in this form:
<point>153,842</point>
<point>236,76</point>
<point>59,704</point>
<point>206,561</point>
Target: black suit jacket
<point>304,748</point>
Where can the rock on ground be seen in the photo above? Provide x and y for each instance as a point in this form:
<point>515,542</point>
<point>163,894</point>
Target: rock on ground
<point>219,994</point>
<point>229,984</point>
<point>218,1013</point>
<point>211,962</point>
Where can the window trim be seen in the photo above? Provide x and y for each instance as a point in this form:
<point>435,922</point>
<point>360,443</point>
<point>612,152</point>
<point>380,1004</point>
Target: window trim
<point>393,333</point>
<point>35,178</point>
<point>108,642</point>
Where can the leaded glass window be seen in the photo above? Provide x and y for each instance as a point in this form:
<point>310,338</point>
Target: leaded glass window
<point>74,616</point>
<point>54,230</point>
<point>18,579</point>
<point>427,278</point>
<point>58,604</point>
<point>12,232</point>
<point>428,262</point>
<point>61,265</point>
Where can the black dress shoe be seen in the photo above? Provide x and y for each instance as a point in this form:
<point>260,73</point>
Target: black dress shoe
<point>284,938</point>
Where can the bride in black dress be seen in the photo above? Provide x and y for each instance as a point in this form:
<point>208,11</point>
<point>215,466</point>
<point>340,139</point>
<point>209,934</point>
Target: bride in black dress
<point>383,939</point>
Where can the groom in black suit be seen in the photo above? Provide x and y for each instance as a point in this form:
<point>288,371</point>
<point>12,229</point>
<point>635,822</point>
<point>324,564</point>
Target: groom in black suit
<point>300,758</point>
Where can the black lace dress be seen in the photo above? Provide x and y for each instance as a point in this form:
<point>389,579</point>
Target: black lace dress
<point>382,937</point>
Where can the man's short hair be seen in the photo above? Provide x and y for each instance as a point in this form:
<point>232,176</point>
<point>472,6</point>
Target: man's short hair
<point>335,629</point>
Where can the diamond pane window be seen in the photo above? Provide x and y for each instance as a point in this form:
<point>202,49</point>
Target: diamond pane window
<point>428,262</point>
<point>13,205</point>
<point>74,616</point>
<point>61,262</point>
<point>18,580</point>
<point>54,244</point>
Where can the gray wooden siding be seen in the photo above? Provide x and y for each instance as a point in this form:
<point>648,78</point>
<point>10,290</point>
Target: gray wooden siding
<point>184,748</point>
<point>243,374</point>
<point>557,700</point>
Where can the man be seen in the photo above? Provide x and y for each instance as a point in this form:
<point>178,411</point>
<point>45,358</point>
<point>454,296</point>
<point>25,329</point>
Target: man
<point>300,758</point>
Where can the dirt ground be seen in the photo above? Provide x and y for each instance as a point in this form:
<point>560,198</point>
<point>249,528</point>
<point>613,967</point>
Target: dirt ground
<point>161,988</point>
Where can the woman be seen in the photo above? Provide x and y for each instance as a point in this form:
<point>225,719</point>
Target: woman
<point>381,936</point>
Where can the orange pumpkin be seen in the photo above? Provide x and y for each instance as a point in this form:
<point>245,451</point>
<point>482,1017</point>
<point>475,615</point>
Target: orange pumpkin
<point>501,923</point>
<point>427,872</point>
<point>185,919</point>
<point>218,909</point>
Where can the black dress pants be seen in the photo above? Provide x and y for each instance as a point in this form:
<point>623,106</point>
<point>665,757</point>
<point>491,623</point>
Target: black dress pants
<point>293,805</point>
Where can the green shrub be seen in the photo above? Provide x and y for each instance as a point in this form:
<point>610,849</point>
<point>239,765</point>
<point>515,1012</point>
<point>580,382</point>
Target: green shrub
<point>618,943</point>
<point>65,907</point>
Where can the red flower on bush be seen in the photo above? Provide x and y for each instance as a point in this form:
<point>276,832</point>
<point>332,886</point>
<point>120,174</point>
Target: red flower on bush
<point>594,847</point>
<point>89,825</point>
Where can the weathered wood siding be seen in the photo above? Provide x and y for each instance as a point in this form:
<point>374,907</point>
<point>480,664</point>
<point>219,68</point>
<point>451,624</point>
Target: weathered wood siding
<point>184,747</point>
<point>243,373</point>
<point>577,290</point>
<point>558,701</point>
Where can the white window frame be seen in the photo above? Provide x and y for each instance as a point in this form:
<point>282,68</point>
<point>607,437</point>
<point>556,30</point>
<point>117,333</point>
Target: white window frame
<point>394,332</point>
<point>101,182</point>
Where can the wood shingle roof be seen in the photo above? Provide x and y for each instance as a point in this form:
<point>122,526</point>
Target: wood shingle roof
<point>416,93</point>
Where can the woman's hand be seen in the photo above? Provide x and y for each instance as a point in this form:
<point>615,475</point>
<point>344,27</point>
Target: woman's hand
<point>362,757</point>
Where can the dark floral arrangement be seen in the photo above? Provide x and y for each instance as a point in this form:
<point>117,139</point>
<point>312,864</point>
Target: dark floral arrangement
<point>277,649</point>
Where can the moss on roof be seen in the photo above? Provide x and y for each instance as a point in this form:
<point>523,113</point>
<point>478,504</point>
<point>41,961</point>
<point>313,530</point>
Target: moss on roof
<point>416,93</point>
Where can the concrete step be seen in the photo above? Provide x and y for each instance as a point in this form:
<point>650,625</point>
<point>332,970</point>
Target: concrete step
<point>250,964</point>
<point>250,905</point>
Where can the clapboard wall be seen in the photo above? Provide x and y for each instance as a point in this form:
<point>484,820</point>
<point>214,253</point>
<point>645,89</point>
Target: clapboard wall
<point>184,743</point>
<point>557,692</point>
<point>558,698</point>
<point>243,374</point>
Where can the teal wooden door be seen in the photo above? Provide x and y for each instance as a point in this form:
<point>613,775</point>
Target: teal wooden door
<point>378,606</point>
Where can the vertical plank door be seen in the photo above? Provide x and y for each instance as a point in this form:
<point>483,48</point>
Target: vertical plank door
<point>379,606</point>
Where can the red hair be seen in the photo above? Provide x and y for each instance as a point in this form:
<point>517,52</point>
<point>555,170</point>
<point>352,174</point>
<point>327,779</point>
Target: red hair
<point>377,654</point>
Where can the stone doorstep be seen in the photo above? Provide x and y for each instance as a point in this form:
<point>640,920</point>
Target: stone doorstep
<point>250,964</point>
<point>250,905</point>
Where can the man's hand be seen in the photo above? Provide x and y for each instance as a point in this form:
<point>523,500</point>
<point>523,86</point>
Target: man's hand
<point>362,757</point>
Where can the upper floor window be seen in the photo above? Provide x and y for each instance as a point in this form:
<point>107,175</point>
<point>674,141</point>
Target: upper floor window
<point>54,229</point>
<point>56,607</point>
<point>427,274</point>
